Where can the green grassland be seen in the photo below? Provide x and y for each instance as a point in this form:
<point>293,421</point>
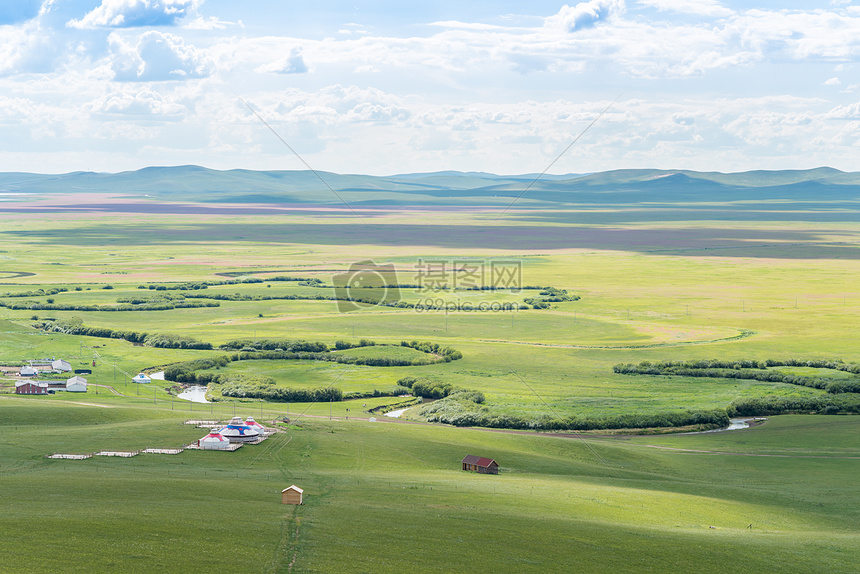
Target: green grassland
<point>389,496</point>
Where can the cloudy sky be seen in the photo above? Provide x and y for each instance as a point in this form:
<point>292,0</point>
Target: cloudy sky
<point>391,87</point>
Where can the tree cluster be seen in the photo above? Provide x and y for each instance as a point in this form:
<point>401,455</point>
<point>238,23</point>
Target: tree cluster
<point>460,409</point>
<point>774,405</point>
<point>753,370</point>
<point>75,326</point>
<point>281,394</point>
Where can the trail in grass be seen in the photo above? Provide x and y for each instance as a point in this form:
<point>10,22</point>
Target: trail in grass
<point>720,452</point>
<point>742,335</point>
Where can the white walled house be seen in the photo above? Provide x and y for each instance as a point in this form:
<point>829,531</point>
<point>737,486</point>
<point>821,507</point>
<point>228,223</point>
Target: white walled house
<point>61,366</point>
<point>141,378</point>
<point>76,385</point>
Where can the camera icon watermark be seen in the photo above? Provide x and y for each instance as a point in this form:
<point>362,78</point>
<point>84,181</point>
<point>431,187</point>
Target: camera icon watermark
<point>366,284</point>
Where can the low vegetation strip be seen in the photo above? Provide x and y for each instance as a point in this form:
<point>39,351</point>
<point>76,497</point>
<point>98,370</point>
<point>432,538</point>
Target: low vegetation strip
<point>161,305</point>
<point>753,370</point>
<point>286,349</point>
<point>773,405</point>
<point>240,386</point>
<point>460,408</point>
<point>281,394</point>
<point>75,326</point>
<point>544,299</point>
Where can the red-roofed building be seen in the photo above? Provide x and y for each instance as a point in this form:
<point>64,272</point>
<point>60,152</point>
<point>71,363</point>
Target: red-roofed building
<point>480,464</point>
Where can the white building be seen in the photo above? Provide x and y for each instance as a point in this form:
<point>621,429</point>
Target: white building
<point>238,431</point>
<point>61,366</point>
<point>255,425</point>
<point>214,441</point>
<point>29,371</point>
<point>141,378</point>
<point>76,385</point>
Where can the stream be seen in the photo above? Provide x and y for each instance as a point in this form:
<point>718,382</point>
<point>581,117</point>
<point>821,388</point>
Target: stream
<point>194,394</point>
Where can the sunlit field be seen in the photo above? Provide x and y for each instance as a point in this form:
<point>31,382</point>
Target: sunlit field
<point>389,495</point>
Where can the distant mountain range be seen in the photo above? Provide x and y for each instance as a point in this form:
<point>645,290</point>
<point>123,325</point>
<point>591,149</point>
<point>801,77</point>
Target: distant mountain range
<point>633,187</point>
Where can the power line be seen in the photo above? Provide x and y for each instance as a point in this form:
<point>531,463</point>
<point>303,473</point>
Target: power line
<point>345,371</point>
<point>576,434</point>
<point>301,159</point>
<point>570,145</point>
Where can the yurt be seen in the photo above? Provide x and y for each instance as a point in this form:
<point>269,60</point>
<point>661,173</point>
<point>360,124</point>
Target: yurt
<point>141,378</point>
<point>255,425</point>
<point>76,385</point>
<point>214,441</point>
<point>238,431</point>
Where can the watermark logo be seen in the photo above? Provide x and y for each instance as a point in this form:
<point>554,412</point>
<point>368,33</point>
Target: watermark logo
<point>366,284</point>
<point>439,284</point>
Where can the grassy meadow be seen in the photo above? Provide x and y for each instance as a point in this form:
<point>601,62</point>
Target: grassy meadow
<point>389,496</point>
<point>385,497</point>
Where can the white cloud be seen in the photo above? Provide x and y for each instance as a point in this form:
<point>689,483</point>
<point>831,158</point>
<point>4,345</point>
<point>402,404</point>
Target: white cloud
<point>604,37</point>
<point>847,112</point>
<point>155,57</point>
<point>699,7</point>
<point>46,7</point>
<point>449,96</point>
<point>585,14</point>
<point>134,13</point>
<point>26,48</point>
<point>472,26</point>
<point>294,63</point>
<point>210,23</point>
<point>141,102</point>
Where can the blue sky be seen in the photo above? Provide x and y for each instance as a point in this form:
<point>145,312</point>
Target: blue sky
<point>396,87</point>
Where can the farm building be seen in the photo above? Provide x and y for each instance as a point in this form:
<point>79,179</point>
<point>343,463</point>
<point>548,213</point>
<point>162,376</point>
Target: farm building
<point>76,385</point>
<point>28,371</point>
<point>292,495</point>
<point>480,464</point>
<point>141,378</point>
<point>61,366</point>
<point>214,441</point>
<point>31,388</point>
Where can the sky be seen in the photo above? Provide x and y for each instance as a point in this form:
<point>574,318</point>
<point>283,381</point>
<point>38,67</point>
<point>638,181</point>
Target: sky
<point>391,87</point>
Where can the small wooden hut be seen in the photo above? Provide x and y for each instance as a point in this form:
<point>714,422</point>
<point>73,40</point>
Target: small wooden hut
<point>292,495</point>
<point>480,464</point>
